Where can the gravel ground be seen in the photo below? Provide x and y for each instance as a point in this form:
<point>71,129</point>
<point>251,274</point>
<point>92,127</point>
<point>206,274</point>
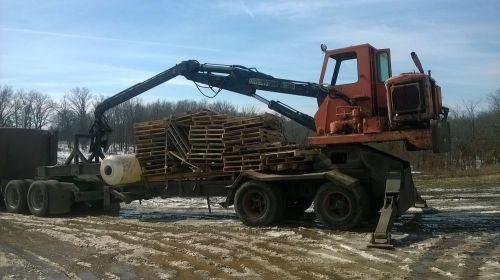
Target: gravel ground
<point>458,237</point>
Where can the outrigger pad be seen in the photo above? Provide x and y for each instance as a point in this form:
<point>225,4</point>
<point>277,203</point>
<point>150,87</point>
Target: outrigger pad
<point>385,244</point>
<point>420,202</point>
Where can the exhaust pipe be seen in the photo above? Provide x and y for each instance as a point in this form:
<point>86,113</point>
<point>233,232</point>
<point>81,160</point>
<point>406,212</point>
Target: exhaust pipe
<point>417,62</point>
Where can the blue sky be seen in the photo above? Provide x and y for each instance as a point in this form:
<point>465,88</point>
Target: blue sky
<point>107,46</point>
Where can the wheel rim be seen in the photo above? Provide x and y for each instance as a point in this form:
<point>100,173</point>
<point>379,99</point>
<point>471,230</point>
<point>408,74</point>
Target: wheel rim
<point>254,204</point>
<point>37,199</point>
<point>337,206</point>
<point>13,198</point>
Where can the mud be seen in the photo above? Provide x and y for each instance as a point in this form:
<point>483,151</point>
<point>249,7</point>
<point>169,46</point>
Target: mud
<point>458,237</point>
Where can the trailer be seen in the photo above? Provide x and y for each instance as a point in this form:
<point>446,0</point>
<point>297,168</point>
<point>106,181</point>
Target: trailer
<point>21,152</point>
<point>260,197</point>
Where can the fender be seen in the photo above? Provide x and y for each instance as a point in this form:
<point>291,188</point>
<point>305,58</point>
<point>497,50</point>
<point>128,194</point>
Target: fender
<point>334,175</point>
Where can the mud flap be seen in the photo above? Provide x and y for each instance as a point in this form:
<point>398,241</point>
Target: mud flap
<point>441,140</point>
<point>381,238</point>
<point>59,197</point>
<point>106,202</point>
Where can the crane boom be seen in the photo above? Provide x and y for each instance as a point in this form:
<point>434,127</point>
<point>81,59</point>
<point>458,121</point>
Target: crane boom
<point>235,78</point>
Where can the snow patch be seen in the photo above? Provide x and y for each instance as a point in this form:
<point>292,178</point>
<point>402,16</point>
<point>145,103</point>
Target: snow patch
<point>280,233</point>
<point>111,276</point>
<point>443,273</point>
<point>467,207</point>
<point>182,265</point>
<point>365,254</point>
<point>86,264</point>
<point>330,257</point>
<point>494,264</point>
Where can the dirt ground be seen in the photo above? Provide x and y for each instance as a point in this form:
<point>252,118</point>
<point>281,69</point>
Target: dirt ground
<point>458,237</point>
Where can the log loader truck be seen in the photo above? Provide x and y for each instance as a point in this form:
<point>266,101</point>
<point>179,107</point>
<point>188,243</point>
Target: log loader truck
<point>350,180</point>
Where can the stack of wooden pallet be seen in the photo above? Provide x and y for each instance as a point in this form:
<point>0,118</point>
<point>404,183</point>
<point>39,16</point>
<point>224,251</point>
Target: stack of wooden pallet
<point>251,130</point>
<point>246,138</point>
<point>150,138</point>
<point>163,146</point>
<point>205,142</point>
<point>288,159</point>
<point>205,136</point>
<point>255,143</point>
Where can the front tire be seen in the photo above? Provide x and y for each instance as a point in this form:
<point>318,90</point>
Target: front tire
<point>38,198</point>
<point>15,196</point>
<point>259,203</point>
<point>338,207</point>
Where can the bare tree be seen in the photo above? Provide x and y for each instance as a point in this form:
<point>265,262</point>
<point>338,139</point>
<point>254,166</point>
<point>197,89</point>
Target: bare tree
<point>249,110</point>
<point>6,108</point>
<point>43,107</point>
<point>23,109</point>
<point>64,119</point>
<point>223,107</point>
<point>471,111</point>
<point>79,100</point>
<point>494,100</point>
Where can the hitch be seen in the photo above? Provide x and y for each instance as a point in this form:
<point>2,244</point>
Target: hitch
<point>381,238</point>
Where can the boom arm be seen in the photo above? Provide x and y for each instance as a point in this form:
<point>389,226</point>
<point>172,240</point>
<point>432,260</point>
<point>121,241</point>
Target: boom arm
<point>234,78</point>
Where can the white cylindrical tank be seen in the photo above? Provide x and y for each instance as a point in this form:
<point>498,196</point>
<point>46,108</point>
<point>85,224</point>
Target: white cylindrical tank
<point>120,170</point>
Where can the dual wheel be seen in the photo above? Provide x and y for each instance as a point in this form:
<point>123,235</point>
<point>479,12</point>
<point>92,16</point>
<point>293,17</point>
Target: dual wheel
<point>22,196</point>
<point>262,204</point>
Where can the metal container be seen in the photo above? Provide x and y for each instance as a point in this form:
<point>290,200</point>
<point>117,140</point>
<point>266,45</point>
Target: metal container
<point>23,150</point>
<point>121,170</point>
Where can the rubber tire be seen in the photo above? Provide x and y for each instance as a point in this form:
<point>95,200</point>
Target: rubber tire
<point>356,197</point>
<point>274,207</point>
<point>20,187</point>
<point>296,206</point>
<point>43,189</point>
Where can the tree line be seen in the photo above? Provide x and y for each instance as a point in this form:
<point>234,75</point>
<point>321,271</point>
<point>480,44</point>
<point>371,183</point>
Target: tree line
<point>475,130</point>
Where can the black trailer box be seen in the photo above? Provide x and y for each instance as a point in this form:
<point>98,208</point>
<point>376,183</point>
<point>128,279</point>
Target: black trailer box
<point>22,150</point>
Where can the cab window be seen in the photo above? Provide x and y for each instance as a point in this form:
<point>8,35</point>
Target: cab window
<point>382,66</point>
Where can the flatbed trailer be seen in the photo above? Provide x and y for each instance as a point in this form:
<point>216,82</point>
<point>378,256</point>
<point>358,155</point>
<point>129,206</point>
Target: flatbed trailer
<point>376,180</point>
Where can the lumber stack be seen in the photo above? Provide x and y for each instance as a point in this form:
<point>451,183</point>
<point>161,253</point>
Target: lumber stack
<point>163,146</point>
<point>288,159</point>
<point>206,138</point>
<point>246,138</point>
<point>243,131</point>
<point>150,139</point>
<point>204,143</point>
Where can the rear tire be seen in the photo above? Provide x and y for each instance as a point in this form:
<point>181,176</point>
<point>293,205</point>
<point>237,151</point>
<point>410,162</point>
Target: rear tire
<point>15,196</point>
<point>38,198</point>
<point>340,208</point>
<point>259,204</point>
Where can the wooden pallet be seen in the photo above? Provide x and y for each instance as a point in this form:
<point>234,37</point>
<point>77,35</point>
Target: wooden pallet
<point>209,120</point>
<point>187,118</point>
<point>266,120</point>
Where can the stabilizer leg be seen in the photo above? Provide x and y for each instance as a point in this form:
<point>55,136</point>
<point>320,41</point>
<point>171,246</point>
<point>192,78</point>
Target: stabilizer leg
<point>381,238</point>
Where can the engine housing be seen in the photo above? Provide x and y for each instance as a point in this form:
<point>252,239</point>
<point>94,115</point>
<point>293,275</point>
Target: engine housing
<point>413,99</point>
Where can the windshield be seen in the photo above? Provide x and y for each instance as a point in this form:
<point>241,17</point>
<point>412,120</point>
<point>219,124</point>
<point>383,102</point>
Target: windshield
<point>342,69</point>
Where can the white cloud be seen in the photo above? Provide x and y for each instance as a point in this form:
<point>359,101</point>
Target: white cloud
<point>110,39</point>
